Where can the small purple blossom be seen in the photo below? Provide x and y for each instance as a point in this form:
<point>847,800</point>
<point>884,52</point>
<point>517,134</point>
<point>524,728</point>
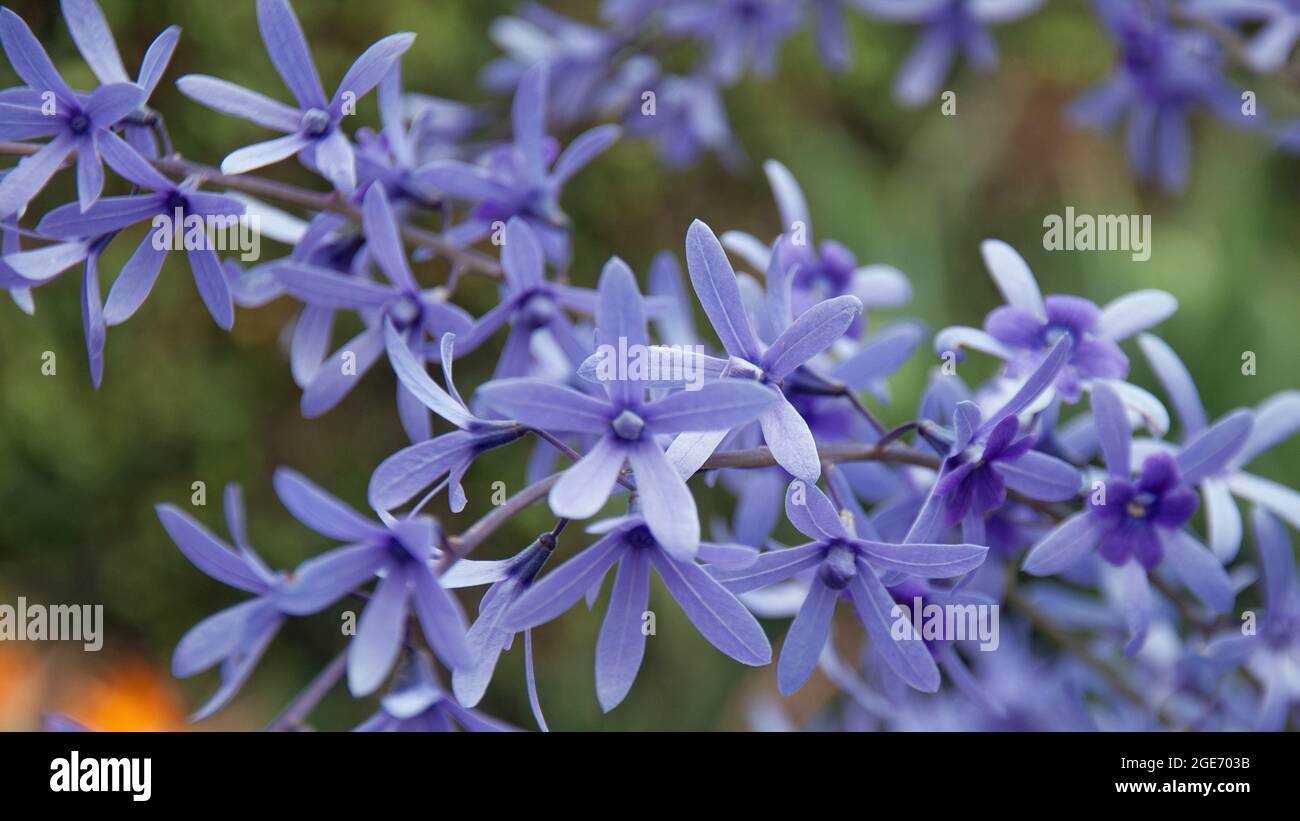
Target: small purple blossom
<point>313,129</point>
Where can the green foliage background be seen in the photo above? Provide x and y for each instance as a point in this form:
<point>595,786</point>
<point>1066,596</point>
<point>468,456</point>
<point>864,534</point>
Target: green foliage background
<point>182,401</point>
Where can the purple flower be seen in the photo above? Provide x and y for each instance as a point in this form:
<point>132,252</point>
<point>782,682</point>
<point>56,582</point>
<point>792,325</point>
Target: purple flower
<point>412,312</point>
<point>976,474</point>
<point>400,552</point>
<point>518,179</point>
<point>77,122</point>
<point>1276,419</point>
<point>949,28</point>
<point>413,468</point>
<point>530,304</point>
<point>1140,524</point>
<point>417,703</point>
<point>741,33</point>
<point>630,543</point>
<point>1272,654</point>
<point>784,430</point>
<point>489,636</point>
<point>18,286</point>
<point>626,424</point>
<point>579,57</point>
<point>1162,74</point>
<point>688,117</point>
<point>95,42</point>
<point>840,563</point>
<point>313,129</point>
<point>169,206</point>
<point>235,637</point>
<point>815,272</point>
<point>1025,329</point>
<point>1278,27</point>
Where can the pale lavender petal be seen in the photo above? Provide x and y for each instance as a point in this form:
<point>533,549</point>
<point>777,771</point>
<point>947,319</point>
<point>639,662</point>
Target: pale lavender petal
<point>416,380</point>
<point>212,285</point>
<point>28,57</point>
<point>212,639</point>
<point>908,656</point>
<point>1222,519</point>
<point>1135,312</point>
<point>1275,557</point>
<point>208,553</point>
<point>791,442</point>
<point>928,561</point>
<point>1011,274</point>
<point>924,68</point>
<point>241,102</point>
<point>370,67</point>
<point>1177,382</point>
<point>108,105</point>
<point>380,631</point>
<point>311,339</point>
<point>1199,570</point>
<point>1110,420</point>
<point>528,118</point>
<point>321,511</point>
<point>666,502</point>
<point>29,176</point>
<point>789,197</point>
<point>1279,499</point>
<point>94,40</point>
<point>90,173</point>
<point>383,242</point>
<point>715,406</point>
<point>107,215</point>
<point>560,589</point>
<point>1214,448</point>
<point>810,334</point>
<point>585,487</point>
<point>324,287</point>
<point>880,355</point>
<point>336,161</point>
<point>546,405</point>
<point>1059,550</point>
<point>461,180</point>
<point>715,285</point>
<point>806,638</point>
<point>584,148</point>
<point>621,643</point>
<point>157,57</point>
<point>620,324</point>
<point>265,153</point>
<point>441,619</point>
<point>521,256</point>
<point>486,638</point>
<point>414,468</point>
<point>1040,476</point>
<point>288,50</point>
<point>812,513</point>
<point>1135,592</point>
<point>1038,381</point>
<point>1276,420</point>
<point>770,568</point>
<point>319,582</point>
<point>715,611</point>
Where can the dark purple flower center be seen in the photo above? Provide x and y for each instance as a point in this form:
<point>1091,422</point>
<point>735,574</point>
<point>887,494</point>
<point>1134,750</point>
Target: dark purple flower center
<point>837,570</point>
<point>177,200</point>
<point>79,123</point>
<point>628,425</point>
<point>537,309</point>
<point>640,538</point>
<point>315,122</point>
<point>405,312</point>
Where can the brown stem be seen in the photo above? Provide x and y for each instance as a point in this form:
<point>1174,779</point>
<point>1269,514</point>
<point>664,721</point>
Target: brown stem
<point>177,166</point>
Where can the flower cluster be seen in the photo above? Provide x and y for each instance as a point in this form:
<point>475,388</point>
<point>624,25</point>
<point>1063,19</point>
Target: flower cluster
<point>1053,489</point>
